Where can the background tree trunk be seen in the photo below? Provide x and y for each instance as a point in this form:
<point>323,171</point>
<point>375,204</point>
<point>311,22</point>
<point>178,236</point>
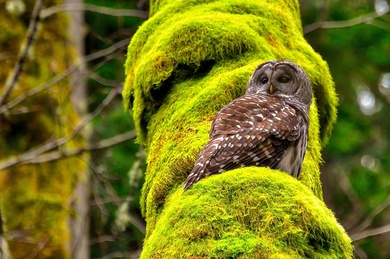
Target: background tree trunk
<point>80,223</point>
<point>36,196</point>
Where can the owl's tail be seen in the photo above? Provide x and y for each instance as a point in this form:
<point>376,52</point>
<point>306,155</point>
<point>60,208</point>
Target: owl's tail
<point>193,177</point>
<point>205,165</point>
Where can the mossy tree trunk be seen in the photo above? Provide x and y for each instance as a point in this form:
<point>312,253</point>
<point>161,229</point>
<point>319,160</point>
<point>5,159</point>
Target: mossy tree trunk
<point>185,63</point>
<point>36,199</point>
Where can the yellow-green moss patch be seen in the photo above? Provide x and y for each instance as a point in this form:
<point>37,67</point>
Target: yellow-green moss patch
<point>190,35</point>
<point>247,213</point>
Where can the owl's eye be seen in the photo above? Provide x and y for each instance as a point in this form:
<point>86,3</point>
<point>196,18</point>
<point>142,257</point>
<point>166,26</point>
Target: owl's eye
<point>264,80</point>
<point>283,79</point>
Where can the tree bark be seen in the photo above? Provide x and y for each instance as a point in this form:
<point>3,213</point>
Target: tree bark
<point>80,223</point>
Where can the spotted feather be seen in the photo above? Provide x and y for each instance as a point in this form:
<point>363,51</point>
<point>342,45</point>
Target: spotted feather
<point>268,126</point>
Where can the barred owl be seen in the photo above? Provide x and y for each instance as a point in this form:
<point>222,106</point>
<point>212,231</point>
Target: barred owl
<point>268,126</point>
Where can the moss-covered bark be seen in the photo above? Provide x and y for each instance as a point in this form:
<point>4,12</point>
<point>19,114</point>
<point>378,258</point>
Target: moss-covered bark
<point>185,63</point>
<point>36,199</point>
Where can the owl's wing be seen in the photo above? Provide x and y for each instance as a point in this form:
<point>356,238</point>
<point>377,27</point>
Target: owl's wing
<point>251,130</point>
<point>228,152</point>
<point>263,113</point>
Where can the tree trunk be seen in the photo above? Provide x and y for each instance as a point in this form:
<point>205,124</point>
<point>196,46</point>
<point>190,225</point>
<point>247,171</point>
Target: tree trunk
<point>79,223</point>
<point>36,197</point>
<point>184,64</point>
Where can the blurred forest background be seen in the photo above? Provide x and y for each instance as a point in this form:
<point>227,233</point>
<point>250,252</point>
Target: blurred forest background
<point>353,36</point>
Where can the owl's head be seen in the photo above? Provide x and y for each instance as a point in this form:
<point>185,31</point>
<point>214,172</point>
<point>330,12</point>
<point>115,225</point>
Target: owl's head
<point>283,79</point>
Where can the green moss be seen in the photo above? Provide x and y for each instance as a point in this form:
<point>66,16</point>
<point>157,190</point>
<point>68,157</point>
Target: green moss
<point>247,213</point>
<point>184,64</point>
<point>193,34</point>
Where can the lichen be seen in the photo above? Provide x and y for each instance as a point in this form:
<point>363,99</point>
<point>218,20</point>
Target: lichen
<point>184,64</point>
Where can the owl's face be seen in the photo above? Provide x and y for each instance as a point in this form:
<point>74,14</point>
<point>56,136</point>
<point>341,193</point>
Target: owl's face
<point>283,79</point>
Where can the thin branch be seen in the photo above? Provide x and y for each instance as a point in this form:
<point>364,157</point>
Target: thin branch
<point>98,54</point>
<point>93,8</point>
<point>138,223</point>
<point>99,179</point>
<point>55,155</point>
<point>103,81</point>
<point>342,24</point>
<point>346,188</point>
<point>381,25</point>
<point>107,200</point>
<point>141,4</point>
<point>6,107</point>
<point>360,253</point>
<point>15,74</point>
<point>367,222</point>
<point>101,239</point>
<point>323,10</point>
<point>51,144</point>
<point>41,245</point>
<point>371,232</point>
<point>95,194</point>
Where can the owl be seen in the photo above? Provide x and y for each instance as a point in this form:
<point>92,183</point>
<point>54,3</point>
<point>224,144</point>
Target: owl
<point>268,126</point>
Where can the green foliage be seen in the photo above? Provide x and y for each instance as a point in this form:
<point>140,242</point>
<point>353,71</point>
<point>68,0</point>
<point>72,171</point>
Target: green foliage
<point>357,56</point>
<point>117,159</point>
<point>110,167</point>
<point>350,126</point>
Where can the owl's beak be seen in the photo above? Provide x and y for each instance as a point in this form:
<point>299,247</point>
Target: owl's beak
<point>271,89</point>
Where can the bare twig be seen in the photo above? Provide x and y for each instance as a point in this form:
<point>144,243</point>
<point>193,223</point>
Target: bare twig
<point>99,179</point>
<point>342,24</point>
<point>141,4</point>
<point>101,239</point>
<point>98,54</point>
<point>367,222</point>
<point>51,144</point>
<point>15,74</point>
<point>323,10</point>
<point>138,223</point>
<point>111,191</point>
<point>41,245</point>
<point>95,194</point>
<point>101,80</point>
<point>359,253</point>
<point>346,188</point>
<point>381,25</point>
<point>93,8</point>
<point>107,200</point>
<point>371,232</point>
<point>7,106</point>
<point>55,155</point>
